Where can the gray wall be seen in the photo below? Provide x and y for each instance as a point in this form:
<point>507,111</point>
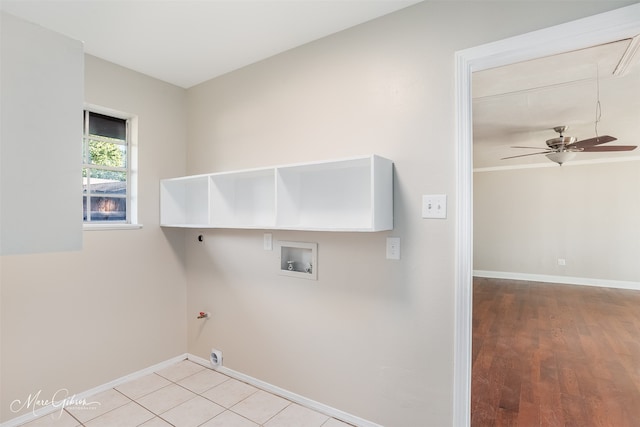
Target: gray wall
<point>524,220</point>
<point>372,337</point>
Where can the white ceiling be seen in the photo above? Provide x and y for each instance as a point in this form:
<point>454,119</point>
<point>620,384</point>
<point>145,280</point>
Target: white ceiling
<point>186,42</point>
<point>520,104</point>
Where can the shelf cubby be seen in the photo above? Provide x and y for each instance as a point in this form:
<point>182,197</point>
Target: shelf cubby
<point>243,199</point>
<point>184,202</point>
<point>333,196</point>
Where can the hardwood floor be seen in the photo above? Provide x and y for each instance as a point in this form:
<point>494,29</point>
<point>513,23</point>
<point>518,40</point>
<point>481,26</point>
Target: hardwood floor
<point>554,355</point>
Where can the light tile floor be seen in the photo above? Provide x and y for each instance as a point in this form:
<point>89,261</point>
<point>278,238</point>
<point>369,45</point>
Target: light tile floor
<point>186,395</point>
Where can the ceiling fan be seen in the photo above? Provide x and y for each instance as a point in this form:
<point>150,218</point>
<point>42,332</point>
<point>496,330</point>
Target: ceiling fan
<point>564,148</point>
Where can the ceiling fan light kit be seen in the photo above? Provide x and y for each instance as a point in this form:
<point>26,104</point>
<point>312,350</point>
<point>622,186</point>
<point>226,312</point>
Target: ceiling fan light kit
<point>561,157</point>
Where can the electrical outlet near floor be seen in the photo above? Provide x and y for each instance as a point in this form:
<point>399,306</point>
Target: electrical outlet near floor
<point>215,358</point>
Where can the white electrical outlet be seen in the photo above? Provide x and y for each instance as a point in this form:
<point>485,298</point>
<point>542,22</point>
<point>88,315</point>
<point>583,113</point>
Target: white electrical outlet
<point>268,241</point>
<point>434,206</point>
<point>216,357</point>
<point>562,261</point>
<point>393,248</point>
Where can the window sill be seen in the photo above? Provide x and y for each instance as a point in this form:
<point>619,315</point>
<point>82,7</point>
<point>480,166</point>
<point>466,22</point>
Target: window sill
<point>102,227</point>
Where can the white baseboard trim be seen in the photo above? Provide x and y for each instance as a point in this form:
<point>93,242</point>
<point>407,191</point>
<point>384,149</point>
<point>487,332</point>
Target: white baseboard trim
<point>311,404</point>
<point>56,406</point>
<point>568,280</point>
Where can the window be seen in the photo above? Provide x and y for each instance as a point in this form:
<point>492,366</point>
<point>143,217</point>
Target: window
<point>106,170</point>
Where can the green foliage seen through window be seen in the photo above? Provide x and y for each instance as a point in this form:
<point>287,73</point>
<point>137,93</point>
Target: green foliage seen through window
<point>106,154</point>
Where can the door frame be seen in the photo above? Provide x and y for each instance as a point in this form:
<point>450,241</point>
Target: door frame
<point>594,30</point>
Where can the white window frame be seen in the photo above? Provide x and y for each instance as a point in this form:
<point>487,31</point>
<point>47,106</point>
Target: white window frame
<point>131,221</point>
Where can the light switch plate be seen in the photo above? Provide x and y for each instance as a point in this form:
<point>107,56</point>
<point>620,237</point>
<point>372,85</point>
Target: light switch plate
<point>393,248</point>
<point>268,241</point>
<point>434,206</point>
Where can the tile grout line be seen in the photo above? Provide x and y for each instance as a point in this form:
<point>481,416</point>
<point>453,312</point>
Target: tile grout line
<point>72,416</point>
<point>83,423</point>
<point>175,382</point>
<point>276,414</point>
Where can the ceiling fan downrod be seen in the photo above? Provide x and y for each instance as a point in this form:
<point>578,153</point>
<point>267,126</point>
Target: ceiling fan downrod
<point>562,141</point>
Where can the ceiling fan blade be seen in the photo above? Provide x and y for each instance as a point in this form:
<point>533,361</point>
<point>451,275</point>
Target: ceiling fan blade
<point>609,148</point>
<point>524,155</point>
<point>603,139</point>
<point>532,148</point>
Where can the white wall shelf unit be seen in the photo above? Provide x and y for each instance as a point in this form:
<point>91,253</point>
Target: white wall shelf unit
<point>354,194</point>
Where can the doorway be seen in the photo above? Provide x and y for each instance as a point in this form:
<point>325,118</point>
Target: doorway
<point>591,31</point>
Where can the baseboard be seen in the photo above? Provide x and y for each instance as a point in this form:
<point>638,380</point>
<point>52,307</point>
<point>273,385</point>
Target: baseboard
<point>56,406</point>
<point>311,404</point>
<point>568,280</point>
